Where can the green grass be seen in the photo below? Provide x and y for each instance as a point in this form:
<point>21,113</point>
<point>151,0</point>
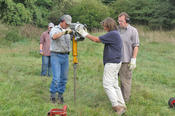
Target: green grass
<point>24,93</point>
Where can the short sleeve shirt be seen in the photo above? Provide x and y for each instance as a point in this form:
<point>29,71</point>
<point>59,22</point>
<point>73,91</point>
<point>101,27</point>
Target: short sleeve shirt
<point>61,44</point>
<point>113,46</point>
<point>130,40</point>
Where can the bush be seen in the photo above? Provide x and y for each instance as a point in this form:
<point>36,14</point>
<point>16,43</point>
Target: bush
<point>59,8</point>
<point>19,12</point>
<point>13,36</point>
<point>14,14</point>
<point>163,16</point>
<point>89,12</point>
<point>157,14</point>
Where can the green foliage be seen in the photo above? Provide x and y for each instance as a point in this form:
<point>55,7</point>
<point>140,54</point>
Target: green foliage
<point>37,12</point>
<point>89,12</point>
<point>14,13</point>
<point>152,86</point>
<point>34,53</point>
<point>107,1</point>
<point>19,12</point>
<point>46,3</point>
<point>157,14</point>
<point>119,6</point>
<point>13,36</point>
<point>41,11</point>
<point>163,16</point>
<point>39,15</point>
<point>59,8</point>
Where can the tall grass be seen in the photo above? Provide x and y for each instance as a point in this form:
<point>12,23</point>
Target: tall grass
<point>24,93</point>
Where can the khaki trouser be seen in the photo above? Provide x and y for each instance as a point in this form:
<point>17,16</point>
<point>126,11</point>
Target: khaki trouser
<point>110,84</point>
<point>126,80</point>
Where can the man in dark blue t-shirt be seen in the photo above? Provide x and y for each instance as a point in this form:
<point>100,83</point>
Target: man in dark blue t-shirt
<point>113,46</point>
<point>112,62</point>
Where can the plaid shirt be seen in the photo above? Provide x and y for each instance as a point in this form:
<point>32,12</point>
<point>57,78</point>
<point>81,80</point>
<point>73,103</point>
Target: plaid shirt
<point>61,44</point>
<point>130,40</point>
<point>45,41</point>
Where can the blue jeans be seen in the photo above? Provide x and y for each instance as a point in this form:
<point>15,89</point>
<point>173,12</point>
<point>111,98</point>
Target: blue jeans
<point>46,66</point>
<point>60,68</point>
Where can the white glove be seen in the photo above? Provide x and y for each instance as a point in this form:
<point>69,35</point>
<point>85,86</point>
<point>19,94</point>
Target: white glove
<point>82,31</point>
<point>132,64</point>
<point>67,31</point>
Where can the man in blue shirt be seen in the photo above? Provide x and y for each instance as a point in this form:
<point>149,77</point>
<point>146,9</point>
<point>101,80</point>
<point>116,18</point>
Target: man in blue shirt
<point>112,61</point>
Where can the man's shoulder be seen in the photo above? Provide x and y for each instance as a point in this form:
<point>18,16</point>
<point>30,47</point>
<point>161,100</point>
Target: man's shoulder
<point>114,33</point>
<point>132,27</point>
<point>45,32</point>
<point>56,28</point>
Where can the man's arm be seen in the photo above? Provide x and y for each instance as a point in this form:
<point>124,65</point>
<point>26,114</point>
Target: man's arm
<point>57,35</point>
<point>93,38</point>
<point>41,49</point>
<point>41,43</point>
<point>135,51</point>
<point>84,33</point>
<point>41,46</point>
<point>136,43</point>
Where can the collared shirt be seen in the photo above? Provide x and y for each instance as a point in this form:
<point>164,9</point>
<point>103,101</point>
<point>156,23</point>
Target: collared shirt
<point>113,47</point>
<point>45,41</point>
<point>62,44</point>
<point>130,40</point>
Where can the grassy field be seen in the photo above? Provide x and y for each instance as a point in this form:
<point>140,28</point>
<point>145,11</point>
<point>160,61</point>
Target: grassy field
<point>24,93</point>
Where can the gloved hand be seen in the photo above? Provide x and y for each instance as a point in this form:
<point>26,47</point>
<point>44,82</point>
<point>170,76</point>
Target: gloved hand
<point>82,31</point>
<point>67,31</point>
<point>132,64</point>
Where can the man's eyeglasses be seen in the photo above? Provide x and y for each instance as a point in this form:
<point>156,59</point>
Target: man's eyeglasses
<point>120,21</point>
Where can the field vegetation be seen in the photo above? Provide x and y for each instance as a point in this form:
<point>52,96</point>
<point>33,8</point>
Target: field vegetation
<point>24,93</point>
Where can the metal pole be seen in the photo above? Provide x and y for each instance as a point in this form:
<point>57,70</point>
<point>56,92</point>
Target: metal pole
<point>75,76</point>
<point>75,62</point>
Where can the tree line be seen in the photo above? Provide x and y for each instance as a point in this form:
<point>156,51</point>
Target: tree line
<point>156,14</point>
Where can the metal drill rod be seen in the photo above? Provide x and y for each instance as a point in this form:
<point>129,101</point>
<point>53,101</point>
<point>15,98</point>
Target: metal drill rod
<point>75,76</point>
<point>75,62</point>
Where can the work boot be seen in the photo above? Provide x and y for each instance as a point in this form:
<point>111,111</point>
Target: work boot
<point>60,99</point>
<point>53,100</point>
<point>119,110</point>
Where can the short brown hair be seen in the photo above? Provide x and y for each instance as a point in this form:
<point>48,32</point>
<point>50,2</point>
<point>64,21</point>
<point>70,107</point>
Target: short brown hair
<point>123,14</point>
<point>109,23</point>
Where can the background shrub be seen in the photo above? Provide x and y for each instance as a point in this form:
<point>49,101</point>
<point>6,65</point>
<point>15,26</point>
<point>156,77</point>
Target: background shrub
<point>89,12</point>
<point>13,36</point>
<point>156,14</point>
<point>59,8</point>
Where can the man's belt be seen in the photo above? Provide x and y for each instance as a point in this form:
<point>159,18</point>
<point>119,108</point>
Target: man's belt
<point>61,52</point>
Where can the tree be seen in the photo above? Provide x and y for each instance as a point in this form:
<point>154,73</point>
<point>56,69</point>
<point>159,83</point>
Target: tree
<point>19,12</point>
<point>89,12</point>
<point>157,14</point>
<point>59,8</point>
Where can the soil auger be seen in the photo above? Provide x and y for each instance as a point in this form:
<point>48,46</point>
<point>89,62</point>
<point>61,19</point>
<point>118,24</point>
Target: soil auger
<point>76,37</point>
